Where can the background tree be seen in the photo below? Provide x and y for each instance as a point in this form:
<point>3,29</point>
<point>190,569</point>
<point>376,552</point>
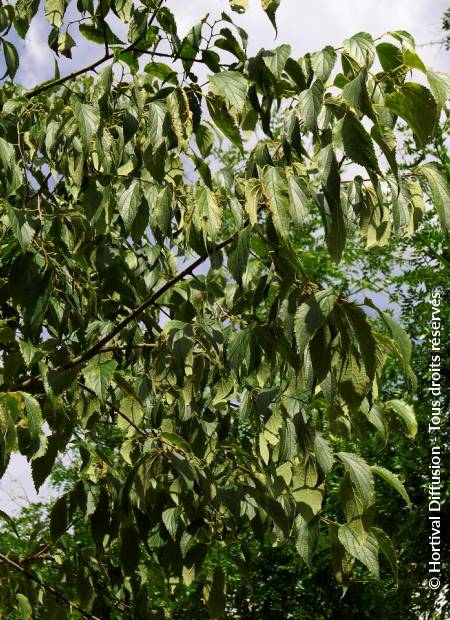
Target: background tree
<point>174,326</point>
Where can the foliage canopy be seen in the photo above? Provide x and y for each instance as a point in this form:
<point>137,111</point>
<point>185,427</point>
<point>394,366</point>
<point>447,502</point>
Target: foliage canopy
<point>158,315</point>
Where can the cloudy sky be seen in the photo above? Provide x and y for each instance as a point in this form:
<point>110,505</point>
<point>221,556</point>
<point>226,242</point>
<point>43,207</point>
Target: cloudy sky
<point>307,25</point>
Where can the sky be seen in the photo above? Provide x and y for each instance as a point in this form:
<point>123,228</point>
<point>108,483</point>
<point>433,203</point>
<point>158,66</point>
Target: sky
<point>306,25</point>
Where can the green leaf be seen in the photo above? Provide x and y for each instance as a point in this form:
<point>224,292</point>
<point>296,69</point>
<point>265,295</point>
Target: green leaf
<point>98,375</point>
<point>358,144</point>
<point>311,315</point>
<point>276,192</point>
<point>393,480</point>
<point>360,47</point>
<point>323,62</point>
<point>205,140</point>
<point>387,549</point>
<point>224,120</point>
<point>238,257</point>
<point>329,172</point>
<point>11,58</point>
<point>406,413</point>
<point>97,35</point>
<point>360,475</point>
<point>175,440</point>
<point>59,518</point>
<point>390,56</point>
<point>438,181</point>
<point>156,121</point>
<point>298,200</point>
<point>270,7</point>
<point>23,607</point>
<point>366,552</point>
<point>217,594</point>
<point>209,210</point>
<point>232,87</point>
<point>171,519</point>
<point>180,115</point>
<point>416,105</point>
<point>275,60</point>
<point>239,6</point>
<point>323,453</point>
<point>54,11</point>
<point>88,119</point>
<point>309,105</point>
<point>412,60</point>
<point>440,86</point>
<point>34,423</point>
<point>356,96</point>
<point>21,228</point>
<point>128,203</point>
<point>306,536</point>
<point>42,467</point>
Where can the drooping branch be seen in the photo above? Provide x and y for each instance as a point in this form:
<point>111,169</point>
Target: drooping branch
<point>56,594</point>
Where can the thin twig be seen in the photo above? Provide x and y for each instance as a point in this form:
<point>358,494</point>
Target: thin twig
<point>61,597</point>
<point>117,411</point>
<point>93,65</point>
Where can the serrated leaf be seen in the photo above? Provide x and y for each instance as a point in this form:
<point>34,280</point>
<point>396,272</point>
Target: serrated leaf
<point>393,480</point>
<point>180,115</point>
<point>360,475</point>
<point>306,536</point>
<point>275,60</point>
<point>387,549</point>
<point>389,55</point>
<point>311,315</point>
<point>128,203</point>
<point>411,59</point>
<point>438,181</point>
<point>440,86</point>
<point>298,200</point>
<point>275,189</point>
<point>59,518</point>
<point>232,87</point>
<point>170,518</point>
<point>98,375</point>
<point>309,105</point>
<point>54,11</point>
<point>323,453</point>
<point>209,210</point>
<point>416,105</point>
<point>367,553</point>
<point>406,413</point>
<point>175,440</point>
<point>358,144</point>
<point>88,119</point>
<point>329,172</point>
<point>11,58</point>
<point>270,7</point>
<point>323,62</point>
<point>34,423</point>
<point>361,48</point>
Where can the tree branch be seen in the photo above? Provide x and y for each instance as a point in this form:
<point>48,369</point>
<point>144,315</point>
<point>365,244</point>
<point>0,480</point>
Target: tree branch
<point>93,65</point>
<point>149,302</point>
<point>61,597</point>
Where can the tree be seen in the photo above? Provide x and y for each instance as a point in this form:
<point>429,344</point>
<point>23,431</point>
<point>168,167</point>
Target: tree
<point>161,319</point>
